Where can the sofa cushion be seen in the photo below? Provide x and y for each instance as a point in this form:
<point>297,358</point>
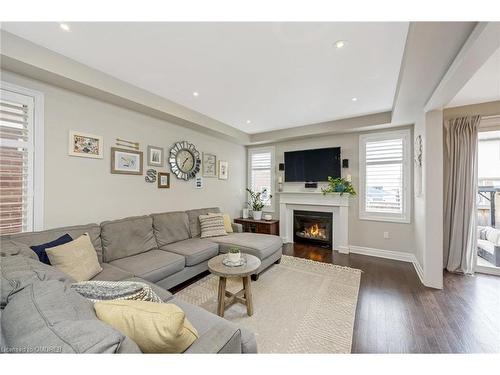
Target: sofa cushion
<point>493,235</point>
<point>12,248</point>
<point>50,316</point>
<point>488,246</point>
<point>112,273</point>
<point>36,238</point>
<point>204,321</point>
<point>260,245</point>
<point>76,258</point>
<point>17,272</point>
<point>170,227</point>
<point>196,250</point>
<point>194,222</point>
<point>153,265</point>
<point>126,237</point>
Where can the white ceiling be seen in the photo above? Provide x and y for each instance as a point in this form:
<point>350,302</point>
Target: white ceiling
<point>484,86</point>
<point>277,75</point>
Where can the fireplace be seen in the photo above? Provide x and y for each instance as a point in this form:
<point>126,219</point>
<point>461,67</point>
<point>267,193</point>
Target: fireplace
<point>312,227</point>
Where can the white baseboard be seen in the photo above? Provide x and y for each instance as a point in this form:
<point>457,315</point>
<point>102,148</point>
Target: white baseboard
<point>386,254</point>
<point>394,255</point>
<point>418,269</point>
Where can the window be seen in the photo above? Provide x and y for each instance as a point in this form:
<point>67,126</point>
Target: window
<point>261,172</point>
<point>385,176</point>
<point>21,159</point>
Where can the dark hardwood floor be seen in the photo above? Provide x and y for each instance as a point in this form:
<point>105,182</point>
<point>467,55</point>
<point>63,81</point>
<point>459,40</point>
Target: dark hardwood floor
<point>397,314</point>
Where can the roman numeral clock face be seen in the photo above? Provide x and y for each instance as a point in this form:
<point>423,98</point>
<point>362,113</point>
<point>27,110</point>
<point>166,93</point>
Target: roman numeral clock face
<point>184,160</point>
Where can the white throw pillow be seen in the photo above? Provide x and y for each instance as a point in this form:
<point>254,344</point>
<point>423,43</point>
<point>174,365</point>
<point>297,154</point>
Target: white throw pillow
<point>212,225</point>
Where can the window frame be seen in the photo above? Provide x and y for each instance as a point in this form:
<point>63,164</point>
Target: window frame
<point>36,165</point>
<point>254,150</point>
<point>405,216</point>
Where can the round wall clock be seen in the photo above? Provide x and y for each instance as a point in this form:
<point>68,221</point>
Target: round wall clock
<point>184,160</point>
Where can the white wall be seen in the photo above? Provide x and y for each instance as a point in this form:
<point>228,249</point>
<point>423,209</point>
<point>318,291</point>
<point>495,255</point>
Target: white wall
<point>363,233</point>
<point>81,190</point>
<point>429,204</point>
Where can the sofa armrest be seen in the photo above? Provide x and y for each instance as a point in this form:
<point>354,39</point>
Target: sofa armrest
<point>237,228</point>
<point>221,338</point>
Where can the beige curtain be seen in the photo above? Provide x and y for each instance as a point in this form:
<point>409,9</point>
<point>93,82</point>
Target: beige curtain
<point>460,184</point>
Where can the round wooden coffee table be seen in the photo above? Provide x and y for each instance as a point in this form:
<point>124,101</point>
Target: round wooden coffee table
<point>224,272</point>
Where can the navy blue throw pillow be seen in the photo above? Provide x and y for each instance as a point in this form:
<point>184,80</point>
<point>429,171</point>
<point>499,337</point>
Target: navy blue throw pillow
<point>40,249</point>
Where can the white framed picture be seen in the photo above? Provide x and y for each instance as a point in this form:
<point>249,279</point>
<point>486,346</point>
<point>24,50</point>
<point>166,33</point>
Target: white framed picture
<point>155,156</point>
<point>223,170</point>
<point>85,145</point>
<point>209,165</point>
<point>125,161</point>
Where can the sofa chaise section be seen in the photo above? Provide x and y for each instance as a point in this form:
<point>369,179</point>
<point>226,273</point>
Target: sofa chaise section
<point>267,248</point>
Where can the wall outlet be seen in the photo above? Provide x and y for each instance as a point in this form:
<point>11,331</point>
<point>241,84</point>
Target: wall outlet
<point>386,235</point>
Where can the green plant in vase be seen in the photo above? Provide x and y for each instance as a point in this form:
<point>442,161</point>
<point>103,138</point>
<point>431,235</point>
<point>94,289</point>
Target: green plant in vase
<point>257,202</point>
<point>339,185</point>
<point>234,254</point>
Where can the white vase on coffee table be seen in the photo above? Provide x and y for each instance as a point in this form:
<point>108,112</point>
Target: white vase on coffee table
<point>234,257</point>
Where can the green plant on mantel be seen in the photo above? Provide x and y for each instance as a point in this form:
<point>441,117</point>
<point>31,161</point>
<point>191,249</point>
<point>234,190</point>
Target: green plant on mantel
<point>339,185</point>
<point>258,199</point>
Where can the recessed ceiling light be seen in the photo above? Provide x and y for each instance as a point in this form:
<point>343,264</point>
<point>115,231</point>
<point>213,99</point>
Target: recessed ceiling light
<point>340,44</point>
<point>196,93</point>
<point>248,121</point>
<point>354,99</point>
<point>64,26</point>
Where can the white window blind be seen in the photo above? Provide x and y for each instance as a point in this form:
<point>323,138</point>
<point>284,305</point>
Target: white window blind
<point>16,162</point>
<point>260,171</point>
<point>385,176</point>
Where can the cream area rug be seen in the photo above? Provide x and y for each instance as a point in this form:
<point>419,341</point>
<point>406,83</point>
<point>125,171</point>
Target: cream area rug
<point>300,306</point>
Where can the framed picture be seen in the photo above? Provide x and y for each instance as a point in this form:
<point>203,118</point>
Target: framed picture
<point>85,145</point>
<point>223,170</point>
<point>125,161</point>
<point>209,165</point>
<point>155,156</point>
<point>163,180</point>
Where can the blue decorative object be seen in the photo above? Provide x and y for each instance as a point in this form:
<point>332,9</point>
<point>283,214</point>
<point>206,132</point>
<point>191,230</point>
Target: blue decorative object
<point>40,249</point>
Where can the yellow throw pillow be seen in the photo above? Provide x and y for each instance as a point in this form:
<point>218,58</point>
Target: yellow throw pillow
<point>227,223</point>
<point>77,258</point>
<point>155,327</point>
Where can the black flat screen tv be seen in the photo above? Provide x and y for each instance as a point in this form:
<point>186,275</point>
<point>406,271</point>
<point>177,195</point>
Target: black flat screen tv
<point>312,165</point>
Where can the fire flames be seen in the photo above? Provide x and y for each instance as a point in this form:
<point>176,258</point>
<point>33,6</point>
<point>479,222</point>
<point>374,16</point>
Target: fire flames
<point>314,231</point>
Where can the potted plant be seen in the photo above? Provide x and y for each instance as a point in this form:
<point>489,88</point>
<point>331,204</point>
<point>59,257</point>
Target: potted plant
<point>234,255</point>
<point>257,202</point>
<point>339,185</point>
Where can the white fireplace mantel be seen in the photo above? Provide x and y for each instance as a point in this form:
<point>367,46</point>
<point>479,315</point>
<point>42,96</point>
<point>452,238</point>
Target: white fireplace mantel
<point>316,201</point>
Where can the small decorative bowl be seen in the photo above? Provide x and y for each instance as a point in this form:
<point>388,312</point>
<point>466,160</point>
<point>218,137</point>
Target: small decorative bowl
<point>227,262</point>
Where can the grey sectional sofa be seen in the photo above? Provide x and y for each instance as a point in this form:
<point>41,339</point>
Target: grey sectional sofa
<point>163,249</point>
